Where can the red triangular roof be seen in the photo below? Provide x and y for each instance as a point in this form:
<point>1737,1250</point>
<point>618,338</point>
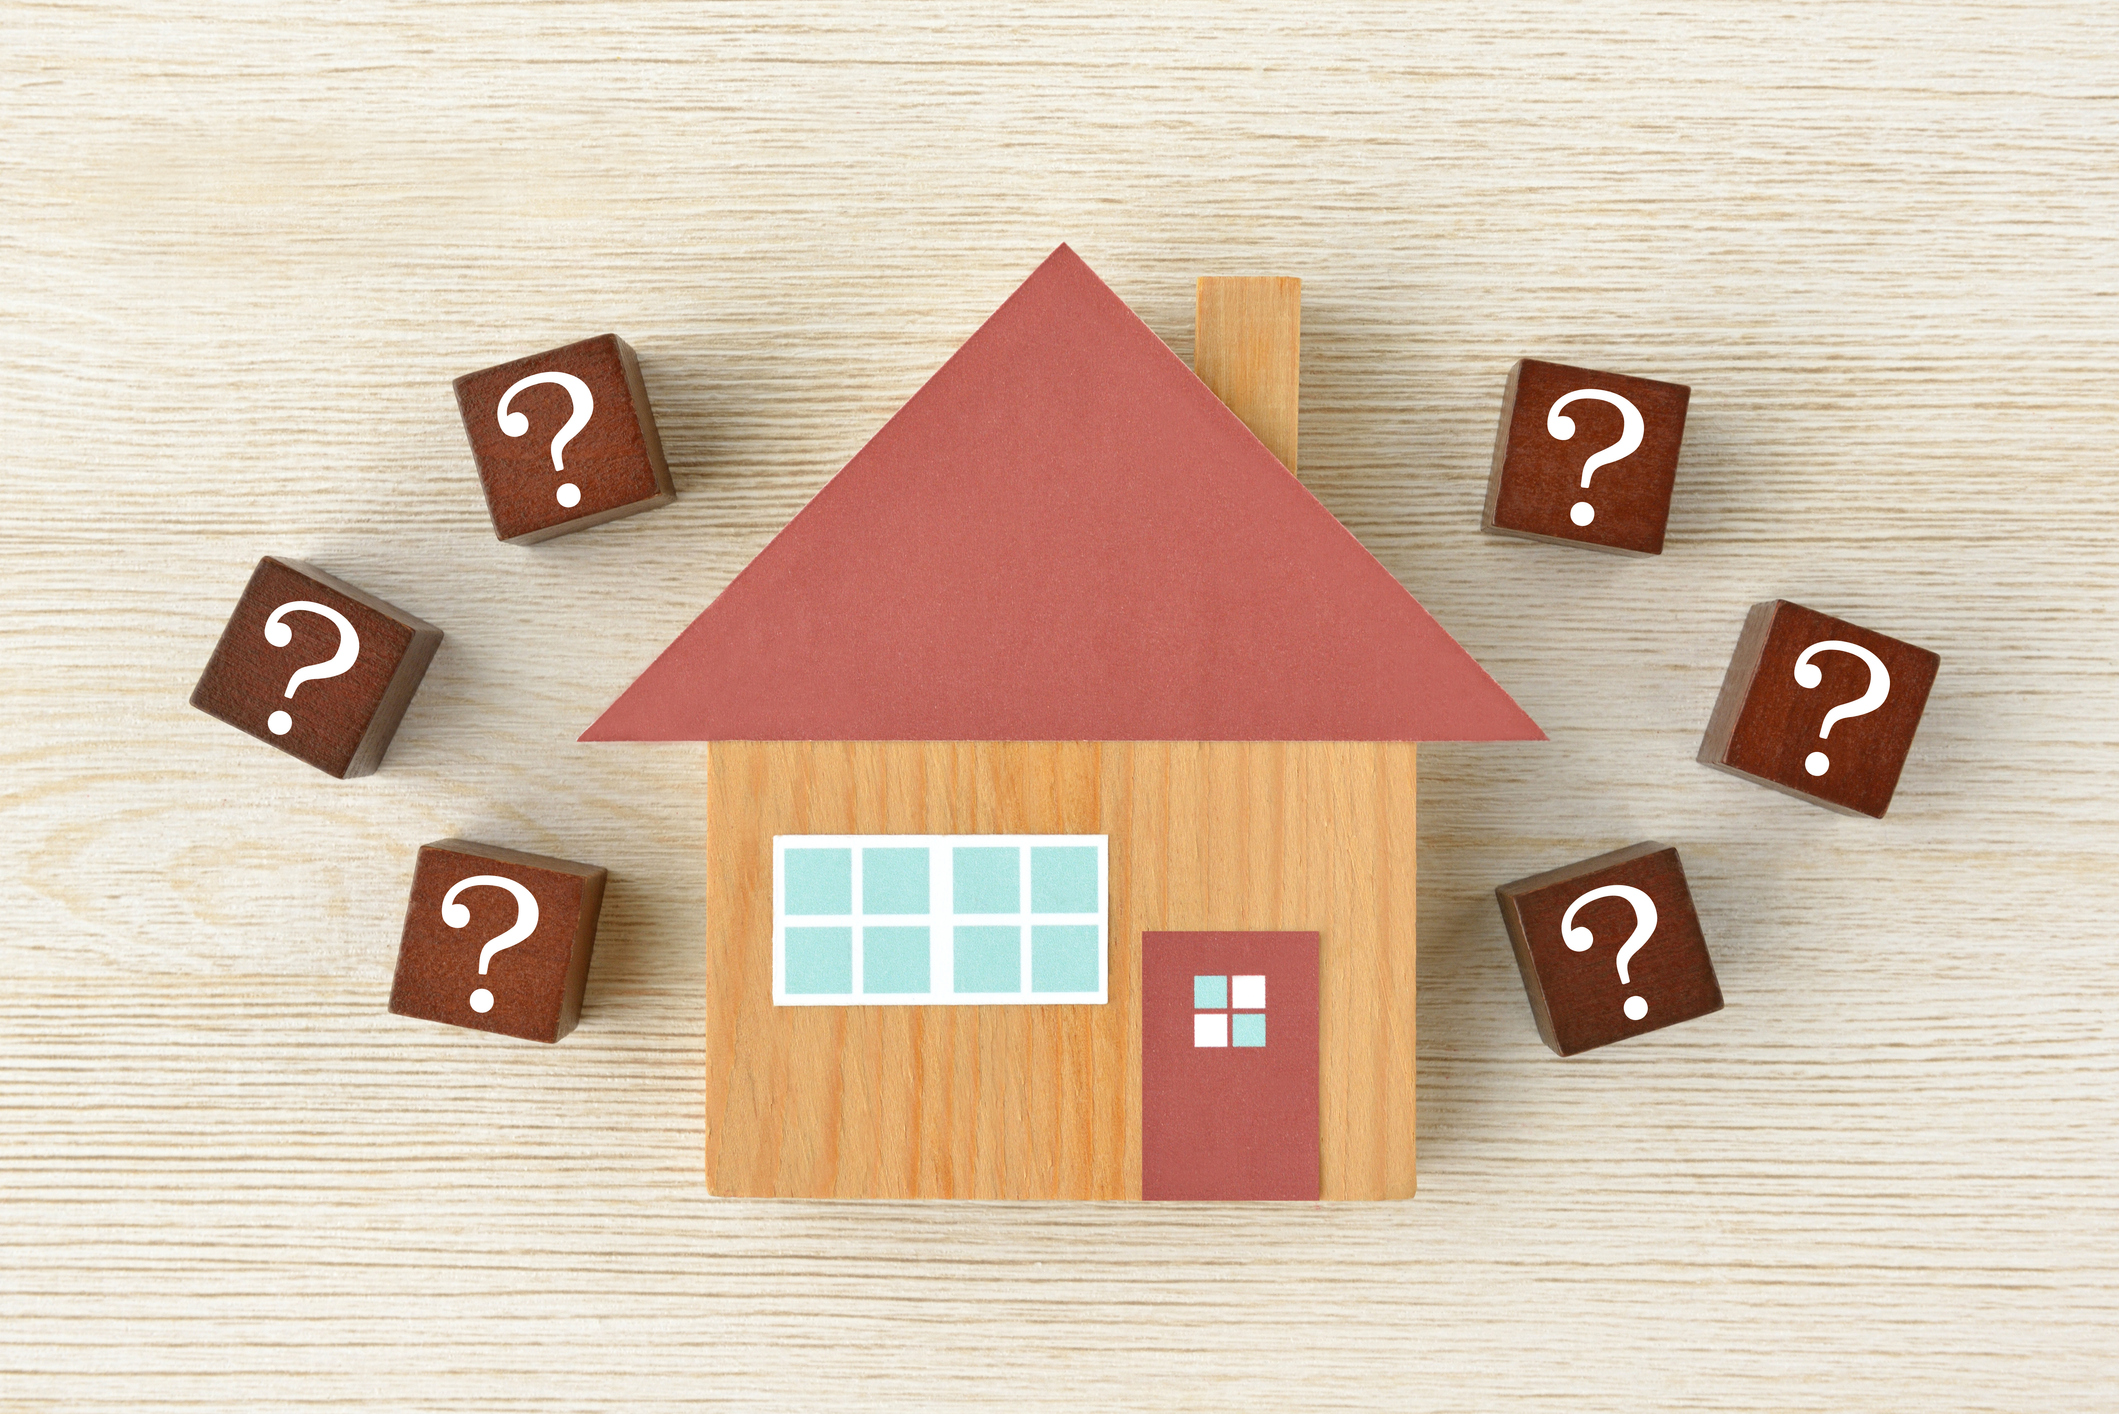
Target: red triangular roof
<point>1064,536</point>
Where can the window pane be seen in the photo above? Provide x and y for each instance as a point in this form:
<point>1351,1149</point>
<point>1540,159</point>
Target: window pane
<point>988,880</point>
<point>1210,992</point>
<point>1062,879</point>
<point>819,881</point>
<point>893,959</point>
<point>1250,993</point>
<point>894,880</point>
<point>1210,1028</point>
<point>1063,957</point>
<point>820,961</point>
<point>989,959</point>
<point>1248,1028</point>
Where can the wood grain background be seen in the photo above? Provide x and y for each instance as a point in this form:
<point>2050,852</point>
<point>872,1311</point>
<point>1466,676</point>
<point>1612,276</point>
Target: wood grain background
<point>241,257</point>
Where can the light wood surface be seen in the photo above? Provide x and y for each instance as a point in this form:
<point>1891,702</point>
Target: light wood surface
<point>1028,1101</point>
<point>1247,347</point>
<point>242,255</point>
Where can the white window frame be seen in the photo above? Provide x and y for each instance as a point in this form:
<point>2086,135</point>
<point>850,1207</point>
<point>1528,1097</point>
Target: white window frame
<point>941,920</point>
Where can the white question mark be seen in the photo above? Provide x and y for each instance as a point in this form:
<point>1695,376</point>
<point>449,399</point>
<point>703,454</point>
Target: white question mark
<point>456,915</point>
<point>1564,428</point>
<point>515,424</point>
<point>279,636</point>
<point>1808,674</point>
<point>1580,939</point>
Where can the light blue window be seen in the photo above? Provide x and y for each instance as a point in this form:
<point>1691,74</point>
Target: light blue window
<point>1063,957</point>
<point>933,920</point>
<point>819,961</point>
<point>819,881</point>
<point>1210,993</point>
<point>893,959</point>
<point>1063,879</point>
<point>988,880</point>
<point>988,958</point>
<point>894,881</point>
<point>1247,1028</point>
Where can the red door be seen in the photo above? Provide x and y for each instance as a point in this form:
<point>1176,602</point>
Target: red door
<point>1228,1066</point>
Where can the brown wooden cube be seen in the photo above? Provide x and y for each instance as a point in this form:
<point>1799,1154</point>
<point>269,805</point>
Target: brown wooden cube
<point>1585,458</point>
<point>1821,709</point>
<point>497,940</point>
<point>1610,948</point>
<point>315,667</point>
<point>564,440</point>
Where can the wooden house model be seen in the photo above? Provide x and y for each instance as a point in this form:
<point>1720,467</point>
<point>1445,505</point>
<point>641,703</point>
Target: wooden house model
<point>1061,750</point>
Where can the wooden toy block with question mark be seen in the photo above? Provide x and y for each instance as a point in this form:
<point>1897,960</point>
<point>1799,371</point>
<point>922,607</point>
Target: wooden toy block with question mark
<point>1585,458</point>
<point>316,667</point>
<point>564,440</point>
<point>497,940</point>
<point>1819,708</point>
<point>1610,947</point>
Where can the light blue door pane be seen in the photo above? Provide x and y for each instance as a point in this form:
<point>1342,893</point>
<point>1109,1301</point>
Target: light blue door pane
<point>893,959</point>
<point>1063,957</point>
<point>819,961</point>
<point>818,881</point>
<point>894,880</point>
<point>1247,1028</point>
<point>1210,993</point>
<point>989,959</point>
<point>1062,879</point>
<point>988,879</point>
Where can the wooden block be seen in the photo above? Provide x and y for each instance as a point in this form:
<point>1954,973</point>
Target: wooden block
<point>564,440</point>
<point>1819,708</point>
<point>497,940</point>
<point>1247,347</point>
<point>1585,458</point>
<point>1610,948</point>
<point>315,667</point>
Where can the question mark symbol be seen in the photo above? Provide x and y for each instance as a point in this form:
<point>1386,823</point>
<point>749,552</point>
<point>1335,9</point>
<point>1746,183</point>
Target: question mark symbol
<point>279,636</point>
<point>1563,428</point>
<point>1580,939</point>
<point>456,915</point>
<point>515,424</point>
<point>1808,674</point>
